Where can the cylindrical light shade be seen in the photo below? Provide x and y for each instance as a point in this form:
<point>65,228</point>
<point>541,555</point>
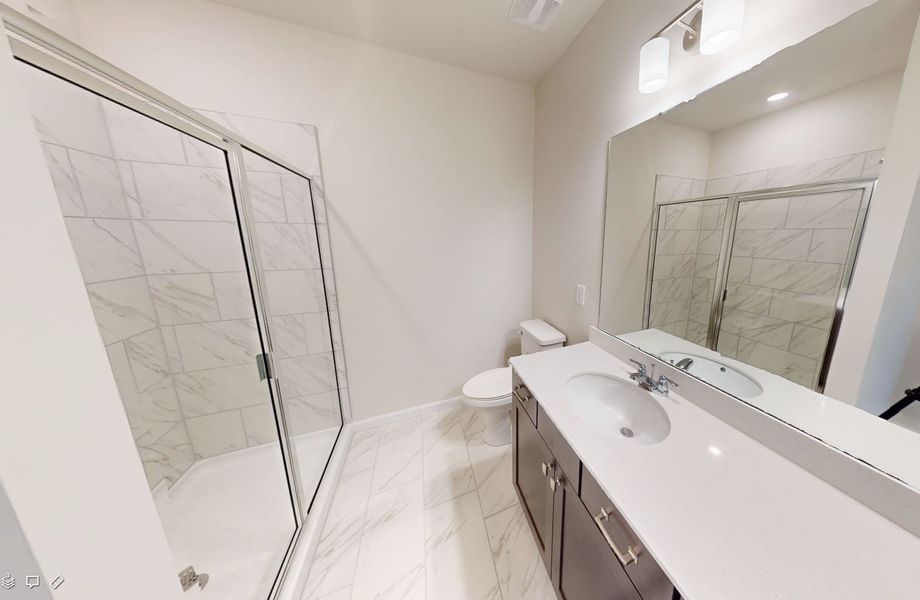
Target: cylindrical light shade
<point>653,65</point>
<point>722,23</point>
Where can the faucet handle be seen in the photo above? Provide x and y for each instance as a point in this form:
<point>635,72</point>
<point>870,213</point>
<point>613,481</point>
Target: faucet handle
<point>665,383</point>
<point>638,364</point>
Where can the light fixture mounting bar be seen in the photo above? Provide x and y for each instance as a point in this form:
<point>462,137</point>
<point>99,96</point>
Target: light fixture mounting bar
<point>678,21</point>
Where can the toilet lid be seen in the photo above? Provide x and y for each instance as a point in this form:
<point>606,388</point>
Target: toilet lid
<point>490,384</point>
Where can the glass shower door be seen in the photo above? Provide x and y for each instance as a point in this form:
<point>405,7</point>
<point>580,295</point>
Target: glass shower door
<point>156,229</point>
<point>791,256</point>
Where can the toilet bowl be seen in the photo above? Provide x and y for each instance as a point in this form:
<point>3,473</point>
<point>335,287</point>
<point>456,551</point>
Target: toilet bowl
<point>490,391</point>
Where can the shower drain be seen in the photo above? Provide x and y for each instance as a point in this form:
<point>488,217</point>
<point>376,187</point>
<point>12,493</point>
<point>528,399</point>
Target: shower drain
<point>626,432</point>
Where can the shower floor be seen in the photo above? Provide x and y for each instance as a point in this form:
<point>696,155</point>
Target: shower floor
<point>230,516</point>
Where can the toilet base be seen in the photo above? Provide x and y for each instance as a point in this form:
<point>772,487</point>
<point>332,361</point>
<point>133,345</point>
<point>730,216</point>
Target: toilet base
<point>497,430</point>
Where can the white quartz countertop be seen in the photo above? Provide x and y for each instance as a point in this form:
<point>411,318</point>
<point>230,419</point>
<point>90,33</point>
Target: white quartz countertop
<point>725,517</point>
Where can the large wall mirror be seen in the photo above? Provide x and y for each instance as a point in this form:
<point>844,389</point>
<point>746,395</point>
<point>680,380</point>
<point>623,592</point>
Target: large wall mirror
<point>735,223</point>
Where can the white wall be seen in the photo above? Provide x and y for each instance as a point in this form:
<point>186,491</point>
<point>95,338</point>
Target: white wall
<point>67,459</point>
<point>849,121</point>
<point>428,170</point>
<point>591,95</point>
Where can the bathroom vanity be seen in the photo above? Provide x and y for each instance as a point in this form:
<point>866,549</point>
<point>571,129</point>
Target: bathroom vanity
<point>674,503</point>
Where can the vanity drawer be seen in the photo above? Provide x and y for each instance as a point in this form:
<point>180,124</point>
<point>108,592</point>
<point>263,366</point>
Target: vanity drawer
<point>565,457</point>
<point>646,575</point>
<point>523,395</point>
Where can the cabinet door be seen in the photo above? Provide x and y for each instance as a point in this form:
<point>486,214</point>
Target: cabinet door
<point>584,568</point>
<point>532,475</point>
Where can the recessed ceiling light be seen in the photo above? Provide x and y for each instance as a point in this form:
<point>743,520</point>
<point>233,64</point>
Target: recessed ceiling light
<point>777,97</point>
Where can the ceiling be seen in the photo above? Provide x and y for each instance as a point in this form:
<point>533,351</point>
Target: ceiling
<point>472,34</point>
<point>870,43</point>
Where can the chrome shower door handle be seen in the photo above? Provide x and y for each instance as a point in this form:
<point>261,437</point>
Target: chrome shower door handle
<point>626,558</point>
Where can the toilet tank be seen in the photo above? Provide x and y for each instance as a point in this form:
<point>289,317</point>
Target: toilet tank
<point>538,335</point>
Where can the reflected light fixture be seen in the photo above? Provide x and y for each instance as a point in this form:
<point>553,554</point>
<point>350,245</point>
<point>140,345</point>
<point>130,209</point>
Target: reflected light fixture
<point>778,96</point>
<point>710,27</point>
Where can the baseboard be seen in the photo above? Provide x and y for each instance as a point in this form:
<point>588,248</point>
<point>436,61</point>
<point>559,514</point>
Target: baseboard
<point>399,415</point>
<point>295,579</point>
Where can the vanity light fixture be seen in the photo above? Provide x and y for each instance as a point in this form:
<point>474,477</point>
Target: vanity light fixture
<point>778,96</point>
<point>714,26</point>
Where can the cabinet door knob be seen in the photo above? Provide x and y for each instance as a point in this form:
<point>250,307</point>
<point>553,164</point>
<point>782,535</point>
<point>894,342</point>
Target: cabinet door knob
<point>545,468</point>
<point>555,482</point>
<point>626,558</point>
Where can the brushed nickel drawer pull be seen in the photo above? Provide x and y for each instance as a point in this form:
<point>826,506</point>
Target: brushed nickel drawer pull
<point>545,468</point>
<point>626,558</point>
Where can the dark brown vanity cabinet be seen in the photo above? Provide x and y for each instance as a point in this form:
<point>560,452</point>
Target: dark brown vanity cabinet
<point>588,550</point>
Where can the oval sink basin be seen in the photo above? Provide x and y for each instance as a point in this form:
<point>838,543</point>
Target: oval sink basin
<point>717,374</point>
<point>617,407</point>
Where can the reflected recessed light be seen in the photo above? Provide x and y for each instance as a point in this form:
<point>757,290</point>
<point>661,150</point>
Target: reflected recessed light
<point>778,97</point>
<point>715,450</point>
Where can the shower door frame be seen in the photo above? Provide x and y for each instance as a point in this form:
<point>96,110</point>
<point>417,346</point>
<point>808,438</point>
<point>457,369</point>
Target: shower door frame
<point>729,226</point>
<point>41,48</point>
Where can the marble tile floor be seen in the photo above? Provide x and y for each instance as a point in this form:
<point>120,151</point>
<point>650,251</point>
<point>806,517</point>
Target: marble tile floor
<point>425,510</point>
<point>230,516</point>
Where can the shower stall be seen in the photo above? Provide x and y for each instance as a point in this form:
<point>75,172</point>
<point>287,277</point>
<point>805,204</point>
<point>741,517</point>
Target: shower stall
<point>760,276</point>
<point>206,261</point>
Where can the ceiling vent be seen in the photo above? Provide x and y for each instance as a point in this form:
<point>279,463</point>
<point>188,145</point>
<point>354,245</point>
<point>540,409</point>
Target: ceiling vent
<point>535,14</point>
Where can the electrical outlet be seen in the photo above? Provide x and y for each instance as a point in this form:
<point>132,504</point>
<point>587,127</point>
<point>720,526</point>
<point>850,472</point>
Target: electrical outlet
<point>579,294</point>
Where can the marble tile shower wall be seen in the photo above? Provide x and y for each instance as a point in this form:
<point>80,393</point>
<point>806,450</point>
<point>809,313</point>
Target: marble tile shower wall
<point>151,218</point>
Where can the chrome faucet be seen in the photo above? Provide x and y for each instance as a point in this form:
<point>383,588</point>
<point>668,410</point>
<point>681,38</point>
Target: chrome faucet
<point>647,380</point>
<point>684,363</point>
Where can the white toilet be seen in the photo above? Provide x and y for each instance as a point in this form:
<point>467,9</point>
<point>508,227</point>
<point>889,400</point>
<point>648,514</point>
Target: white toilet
<point>490,391</point>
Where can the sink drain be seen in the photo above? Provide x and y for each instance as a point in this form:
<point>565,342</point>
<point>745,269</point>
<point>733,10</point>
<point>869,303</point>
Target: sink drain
<point>626,432</point>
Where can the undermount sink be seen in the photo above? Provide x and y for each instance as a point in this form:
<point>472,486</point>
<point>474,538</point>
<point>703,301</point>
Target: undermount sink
<point>618,408</point>
<point>717,374</point>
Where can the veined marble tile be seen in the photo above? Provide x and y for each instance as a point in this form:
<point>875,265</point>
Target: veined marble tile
<point>129,189</point>
<point>307,414</point>
<point>391,562</point>
<point>697,333</point>
<point>830,169</point>
<point>737,183</point>
<point>673,266</point>
<point>518,563</point>
<point>672,241</point>
<point>710,242</point>
<point>713,214</point>
<point>292,142</point>
<point>218,344</point>
<point>294,292</point>
<point>172,350</point>
<point>202,154</point>
<point>332,300</point>
<point>670,188</point>
<point>65,183</point>
<point>168,457</point>
<point>306,375</point>
<point>318,337</point>
<point>669,312</point>
<point>137,137</point>
<point>780,362</point>
<point>459,558</point>
<point>259,424</point>
<point>362,452</point>
<point>325,245</point>
<point>182,192</point>
<point>340,372</point>
<point>492,470</point>
<point>266,197</point>
<point>399,455</point>
<point>234,296</point>
<point>147,356</point>
<point>728,344</point>
<point>447,469</point>
<point>835,210</point>
<point>289,335</point>
<point>804,309</point>
<point>705,265</point>
<point>105,248</point>
<point>671,290</point>
<point>100,185</point>
<point>702,289</point>
<point>677,328</point>
<point>739,269</point>
<point>872,167</point>
<point>789,244</point>
<point>810,342</point>
<point>285,246</point>
<point>760,328</point>
<point>122,308</point>
<point>216,434</point>
<point>297,199</point>
<point>763,214</point>
<point>153,412</point>
<point>681,216</point>
<point>319,199</point>
<point>182,299</point>
<point>220,389</point>
<point>830,245</point>
<point>699,312</point>
<point>748,298</point>
<point>792,276</point>
<point>189,247</point>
